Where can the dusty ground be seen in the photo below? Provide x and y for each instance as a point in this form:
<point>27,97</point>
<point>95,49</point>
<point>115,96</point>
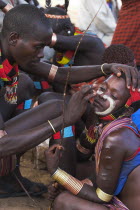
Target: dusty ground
<point>25,203</point>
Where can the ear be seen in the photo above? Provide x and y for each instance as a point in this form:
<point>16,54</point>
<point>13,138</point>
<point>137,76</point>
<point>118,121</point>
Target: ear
<point>13,38</point>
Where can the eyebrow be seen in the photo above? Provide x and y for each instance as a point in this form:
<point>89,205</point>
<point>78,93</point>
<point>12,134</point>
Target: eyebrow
<point>112,88</point>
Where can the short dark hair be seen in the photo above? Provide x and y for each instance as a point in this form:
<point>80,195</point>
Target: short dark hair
<point>59,25</point>
<point>24,19</point>
<point>119,53</point>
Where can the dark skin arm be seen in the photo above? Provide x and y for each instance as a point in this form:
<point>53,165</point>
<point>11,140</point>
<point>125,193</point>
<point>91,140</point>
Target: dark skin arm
<point>114,151</point>
<point>85,73</point>
<point>29,129</point>
<point>71,42</point>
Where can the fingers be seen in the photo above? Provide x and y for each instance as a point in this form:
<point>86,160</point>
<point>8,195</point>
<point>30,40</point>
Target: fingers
<point>134,79</point>
<point>88,97</point>
<point>116,70</point>
<point>86,89</point>
<point>54,149</point>
<point>128,78</point>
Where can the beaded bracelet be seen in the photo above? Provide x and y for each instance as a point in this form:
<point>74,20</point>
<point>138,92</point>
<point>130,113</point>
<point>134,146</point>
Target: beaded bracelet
<point>69,182</point>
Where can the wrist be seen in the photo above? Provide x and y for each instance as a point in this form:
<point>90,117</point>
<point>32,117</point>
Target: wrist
<point>68,181</point>
<point>107,68</point>
<point>54,40</point>
<point>53,172</point>
<point>6,7</point>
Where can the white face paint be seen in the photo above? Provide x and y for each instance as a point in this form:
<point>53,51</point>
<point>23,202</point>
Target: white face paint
<point>111,106</point>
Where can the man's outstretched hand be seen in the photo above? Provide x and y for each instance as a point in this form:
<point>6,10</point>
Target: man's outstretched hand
<point>132,74</point>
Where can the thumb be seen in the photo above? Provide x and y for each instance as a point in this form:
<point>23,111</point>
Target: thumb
<point>58,151</point>
<point>116,70</point>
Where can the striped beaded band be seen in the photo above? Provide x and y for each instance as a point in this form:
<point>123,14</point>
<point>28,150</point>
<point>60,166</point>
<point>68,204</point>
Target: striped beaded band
<point>52,72</point>
<point>68,181</point>
<point>103,196</point>
<point>57,16</point>
<point>82,149</point>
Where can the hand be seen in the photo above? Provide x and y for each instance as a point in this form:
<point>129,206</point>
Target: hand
<point>53,191</point>
<point>53,155</point>
<point>77,104</point>
<point>131,73</point>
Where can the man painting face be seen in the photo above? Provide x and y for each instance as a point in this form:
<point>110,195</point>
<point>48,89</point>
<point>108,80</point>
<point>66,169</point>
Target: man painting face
<point>111,95</point>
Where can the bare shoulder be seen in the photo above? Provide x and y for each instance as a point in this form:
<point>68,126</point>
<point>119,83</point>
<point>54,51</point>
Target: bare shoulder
<point>122,139</point>
<point>118,138</point>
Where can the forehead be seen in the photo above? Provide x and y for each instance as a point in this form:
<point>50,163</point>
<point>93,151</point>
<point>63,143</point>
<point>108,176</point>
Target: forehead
<point>117,84</point>
<point>41,34</point>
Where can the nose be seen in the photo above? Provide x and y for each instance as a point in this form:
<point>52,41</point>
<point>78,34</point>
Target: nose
<point>41,53</point>
<point>101,94</point>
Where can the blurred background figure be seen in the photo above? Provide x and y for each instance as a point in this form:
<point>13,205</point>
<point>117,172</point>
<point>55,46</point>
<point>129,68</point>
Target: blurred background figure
<point>82,12</point>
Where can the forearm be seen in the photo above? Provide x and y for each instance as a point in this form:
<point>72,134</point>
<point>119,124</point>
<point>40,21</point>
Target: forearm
<point>19,142</point>
<point>76,187</point>
<point>78,74</point>
<point>34,117</point>
<point>71,42</point>
<point>68,158</point>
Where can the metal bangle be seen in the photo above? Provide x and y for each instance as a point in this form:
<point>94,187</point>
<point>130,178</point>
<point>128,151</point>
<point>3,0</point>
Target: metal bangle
<point>54,40</point>
<point>103,69</point>
<point>52,126</point>
<point>52,72</point>
<point>7,8</point>
<point>103,196</point>
<point>69,182</point>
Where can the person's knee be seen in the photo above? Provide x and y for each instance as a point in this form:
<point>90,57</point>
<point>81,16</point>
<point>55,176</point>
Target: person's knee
<point>60,202</point>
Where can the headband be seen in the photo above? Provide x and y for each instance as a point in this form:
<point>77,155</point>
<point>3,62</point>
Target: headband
<point>56,16</point>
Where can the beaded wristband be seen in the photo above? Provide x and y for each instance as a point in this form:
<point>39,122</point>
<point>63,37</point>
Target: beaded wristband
<point>54,40</point>
<point>68,181</point>
<point>89,138</point>
<point>7,8</point>
<point>103,69</point>
<point>103,196</point>
<point>52,72</point>
<point>52,126</point>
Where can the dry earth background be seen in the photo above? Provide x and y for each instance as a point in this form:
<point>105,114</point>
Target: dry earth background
<point>25,203</point>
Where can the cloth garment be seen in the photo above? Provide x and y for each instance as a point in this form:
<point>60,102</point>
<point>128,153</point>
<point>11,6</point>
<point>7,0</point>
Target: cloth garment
<point>8,163</point>
<point>128,27</point>
<point>82,13</point>
<point>9,79</point>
